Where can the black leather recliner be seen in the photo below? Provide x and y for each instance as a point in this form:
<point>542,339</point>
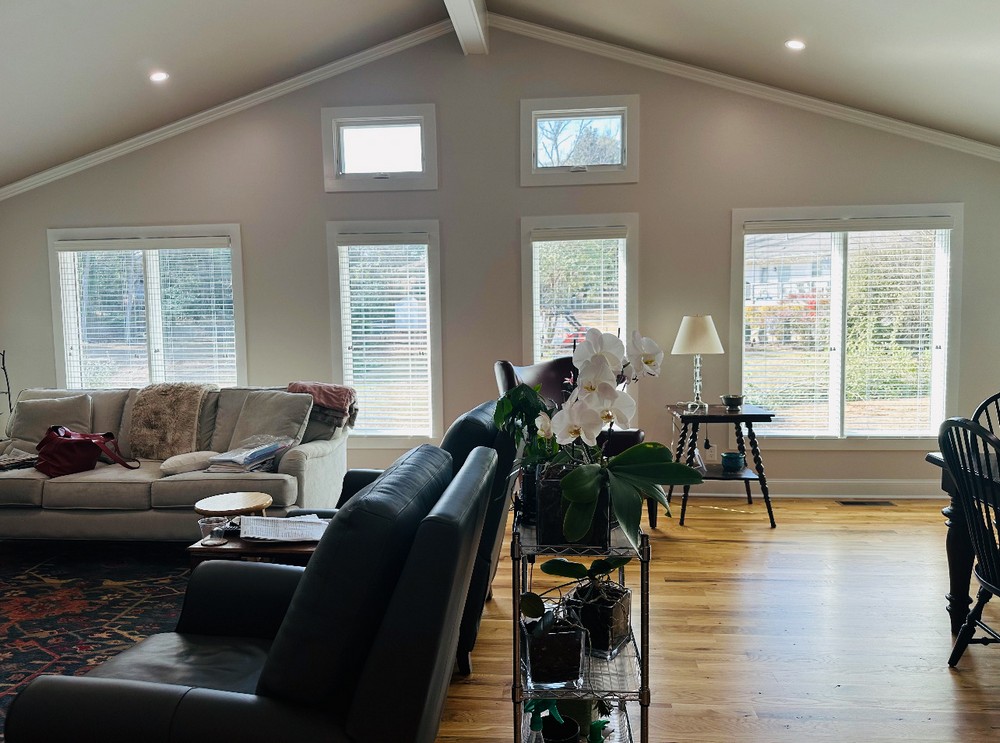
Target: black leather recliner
<point>357,646</point>
<point>471,429</point>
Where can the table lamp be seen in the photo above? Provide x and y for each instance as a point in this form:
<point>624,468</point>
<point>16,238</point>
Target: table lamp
<point>697,335</point>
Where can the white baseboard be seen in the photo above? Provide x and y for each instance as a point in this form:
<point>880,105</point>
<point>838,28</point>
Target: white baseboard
<point>898,489</point>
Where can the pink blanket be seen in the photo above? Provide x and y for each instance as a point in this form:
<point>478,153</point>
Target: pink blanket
<point>337,397</point>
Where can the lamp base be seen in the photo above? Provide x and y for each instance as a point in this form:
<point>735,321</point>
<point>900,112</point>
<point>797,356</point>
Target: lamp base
<point>695,405</point>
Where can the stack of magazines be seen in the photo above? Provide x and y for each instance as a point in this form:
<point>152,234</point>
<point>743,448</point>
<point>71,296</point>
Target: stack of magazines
<point>256,454</point>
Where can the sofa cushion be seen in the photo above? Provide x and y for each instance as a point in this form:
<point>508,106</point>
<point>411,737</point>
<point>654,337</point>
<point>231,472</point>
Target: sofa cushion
<point>185,489</point>
<point>32,418</point>
<point>21,487</point>
<point>192,461</point>
<point>272,413</point>
<point>230,403</point>
<point>322,644</point>
<point>108,487</point>
<point>206,421</point>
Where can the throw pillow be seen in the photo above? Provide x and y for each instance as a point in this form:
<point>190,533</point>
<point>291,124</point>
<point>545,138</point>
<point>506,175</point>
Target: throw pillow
<point>272,413</point>
<point>32,418</point>
<point>189,462</point>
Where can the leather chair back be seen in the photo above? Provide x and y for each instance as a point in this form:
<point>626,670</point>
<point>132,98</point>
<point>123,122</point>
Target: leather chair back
<point>470,430</point>
<point>330,626</point>
<point>551,375</point>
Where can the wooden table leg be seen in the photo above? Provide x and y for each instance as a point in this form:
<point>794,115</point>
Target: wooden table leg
<point>692,447</point>
<point>741,445</point>
<point>650,503</point>
<point>961,556</point>
<point>759,466</point>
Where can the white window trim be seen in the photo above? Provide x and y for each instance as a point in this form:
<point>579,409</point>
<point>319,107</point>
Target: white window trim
<point>58,240</point>
<point>628,172</point>
<point>335,181</point>
<point>431,229</point>
<point>854,443</point>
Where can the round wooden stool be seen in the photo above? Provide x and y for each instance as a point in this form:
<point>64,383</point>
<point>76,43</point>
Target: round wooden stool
<point>233,504</point>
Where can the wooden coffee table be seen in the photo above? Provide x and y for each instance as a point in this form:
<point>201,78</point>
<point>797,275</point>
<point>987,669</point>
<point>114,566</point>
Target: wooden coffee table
<point>235,548</point>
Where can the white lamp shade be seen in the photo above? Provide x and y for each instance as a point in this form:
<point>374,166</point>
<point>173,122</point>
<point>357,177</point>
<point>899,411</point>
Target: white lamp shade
<point>697,334</point>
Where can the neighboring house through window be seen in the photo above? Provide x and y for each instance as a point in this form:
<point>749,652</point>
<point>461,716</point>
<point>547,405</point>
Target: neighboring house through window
<point>384,284</point>
<point>577,273</point>
<point>134,306</point>
<point>845,316</point>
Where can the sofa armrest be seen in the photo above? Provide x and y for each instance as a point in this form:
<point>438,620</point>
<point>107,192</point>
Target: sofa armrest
<point>74,708</point>
<point>318,467</point>
<point>244,599</point>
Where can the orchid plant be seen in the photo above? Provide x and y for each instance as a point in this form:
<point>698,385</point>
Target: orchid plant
<point>568,435</point>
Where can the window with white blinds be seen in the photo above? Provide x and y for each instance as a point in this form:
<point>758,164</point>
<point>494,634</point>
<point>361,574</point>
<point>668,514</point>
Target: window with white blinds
<point>845,324</point>
<point>577,278</point>
<point>136,306</point>
<point>385,283</point>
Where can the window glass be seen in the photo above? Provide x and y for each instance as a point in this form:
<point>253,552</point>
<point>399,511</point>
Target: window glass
<point>379,148</point>
<point>578,139</point>
<point>139,309</point>
<point>845,332</point>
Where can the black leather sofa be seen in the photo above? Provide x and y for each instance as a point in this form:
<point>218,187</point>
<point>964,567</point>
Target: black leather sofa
<point>356,647</point>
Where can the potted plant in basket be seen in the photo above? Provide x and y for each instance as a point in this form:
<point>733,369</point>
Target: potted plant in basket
<point>562,441</point>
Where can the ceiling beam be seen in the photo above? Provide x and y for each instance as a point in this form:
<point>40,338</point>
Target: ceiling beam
<point>469,19</point>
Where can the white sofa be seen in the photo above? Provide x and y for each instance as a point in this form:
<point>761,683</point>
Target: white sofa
<point>115,503</point>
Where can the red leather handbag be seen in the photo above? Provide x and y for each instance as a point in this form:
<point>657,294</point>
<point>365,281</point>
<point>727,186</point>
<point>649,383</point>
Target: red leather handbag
<point>64,452</point>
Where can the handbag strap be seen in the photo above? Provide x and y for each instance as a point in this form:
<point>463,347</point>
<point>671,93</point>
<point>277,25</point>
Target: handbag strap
<point>102,440</point>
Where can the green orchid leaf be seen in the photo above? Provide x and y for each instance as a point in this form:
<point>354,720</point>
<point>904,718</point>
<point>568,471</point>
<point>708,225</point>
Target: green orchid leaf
<point>626,500</point>
<point>646,489</point>
<point>653,463</point>
<point>583,484</point>
<point>578,518</point>
<point>532,605</point>
<point>564,568</point>
<point>606,565</point>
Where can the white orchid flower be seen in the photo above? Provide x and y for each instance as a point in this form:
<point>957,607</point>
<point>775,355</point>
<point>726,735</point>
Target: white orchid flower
<point>613,405</point>
<point>644,356</point>
<point>577,420</point>
<point>593,373</point>
<point>604,344</point>
<point>544,425</point>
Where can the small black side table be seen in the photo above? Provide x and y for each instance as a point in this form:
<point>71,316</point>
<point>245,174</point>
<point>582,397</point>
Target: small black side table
<point>690,421</point>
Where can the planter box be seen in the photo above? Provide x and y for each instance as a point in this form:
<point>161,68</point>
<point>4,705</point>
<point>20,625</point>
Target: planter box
<point>556,659</point>
<point>552,511</point>
<point>605,610</point>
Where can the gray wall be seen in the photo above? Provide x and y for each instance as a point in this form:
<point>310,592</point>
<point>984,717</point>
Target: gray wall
<point>704,152</point>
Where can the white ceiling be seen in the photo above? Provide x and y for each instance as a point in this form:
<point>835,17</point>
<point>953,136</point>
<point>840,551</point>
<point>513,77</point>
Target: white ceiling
<point>74,73</point>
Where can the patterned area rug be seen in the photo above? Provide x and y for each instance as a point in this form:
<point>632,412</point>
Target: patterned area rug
<point>66,607</point>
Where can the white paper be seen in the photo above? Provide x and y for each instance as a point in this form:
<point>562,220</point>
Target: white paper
<point>267,528</point>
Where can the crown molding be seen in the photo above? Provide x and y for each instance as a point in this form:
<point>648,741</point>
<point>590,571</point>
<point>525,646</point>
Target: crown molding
<point>746,87</point>
<point>337,67</point>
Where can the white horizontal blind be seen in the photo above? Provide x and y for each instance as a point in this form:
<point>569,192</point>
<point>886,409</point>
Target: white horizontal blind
<point>788,360</point>
<point>845,331</point>
<point>386,331</point>
<point>137,311</point>
<point>892,304</point>
<point>578,281</point>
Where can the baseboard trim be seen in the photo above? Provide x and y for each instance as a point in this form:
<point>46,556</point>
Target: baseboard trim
<point>857,488</point>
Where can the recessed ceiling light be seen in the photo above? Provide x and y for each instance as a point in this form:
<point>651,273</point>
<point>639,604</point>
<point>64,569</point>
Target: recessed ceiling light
<point>795,45</point>
<point>159,77</point>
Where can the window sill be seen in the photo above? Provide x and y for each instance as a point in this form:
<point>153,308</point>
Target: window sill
<point>855,443</point>
<point>372,441</point>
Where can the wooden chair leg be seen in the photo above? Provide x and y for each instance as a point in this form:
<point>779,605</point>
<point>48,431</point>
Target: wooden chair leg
<point>969,628</point>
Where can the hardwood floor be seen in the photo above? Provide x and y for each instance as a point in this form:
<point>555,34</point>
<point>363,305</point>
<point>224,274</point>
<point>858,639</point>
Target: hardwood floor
<point>831,627</point>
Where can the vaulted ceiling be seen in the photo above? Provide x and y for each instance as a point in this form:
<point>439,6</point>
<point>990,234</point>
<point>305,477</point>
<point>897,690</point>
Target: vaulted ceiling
<point>74,73</point>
